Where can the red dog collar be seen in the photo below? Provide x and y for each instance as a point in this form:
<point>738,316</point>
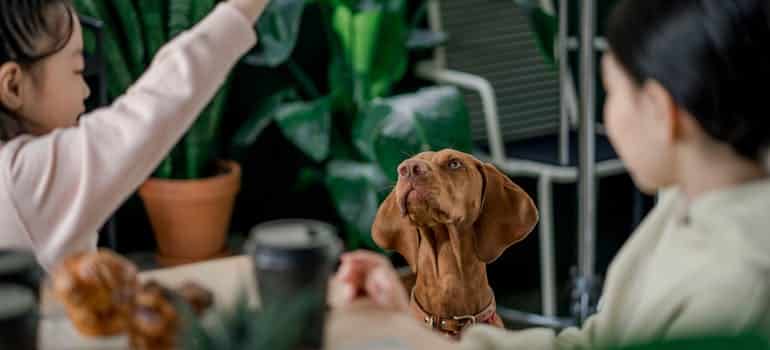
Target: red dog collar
<point>454,325</point>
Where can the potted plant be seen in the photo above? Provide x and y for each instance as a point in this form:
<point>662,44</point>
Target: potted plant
<point>189,199</point>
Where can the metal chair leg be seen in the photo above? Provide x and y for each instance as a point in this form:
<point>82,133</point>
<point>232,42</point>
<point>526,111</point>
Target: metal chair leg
<point>547,256</point>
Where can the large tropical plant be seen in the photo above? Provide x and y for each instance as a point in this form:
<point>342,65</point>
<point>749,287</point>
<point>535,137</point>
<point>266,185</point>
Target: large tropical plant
<point>353,133</point>
<point>134,32</point>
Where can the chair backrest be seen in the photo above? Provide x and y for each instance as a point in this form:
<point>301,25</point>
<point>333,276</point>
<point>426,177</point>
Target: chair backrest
<point>493,39</point>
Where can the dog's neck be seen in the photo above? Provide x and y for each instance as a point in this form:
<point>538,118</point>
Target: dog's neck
<point>451,280</point>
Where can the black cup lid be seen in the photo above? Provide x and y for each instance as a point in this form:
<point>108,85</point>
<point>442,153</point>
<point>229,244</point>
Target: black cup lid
<point>293,241</point>
<point>15,301</point>
<point>15,261</point>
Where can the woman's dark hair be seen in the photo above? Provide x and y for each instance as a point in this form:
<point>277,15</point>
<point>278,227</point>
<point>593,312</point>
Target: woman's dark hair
<point>712,56</point>
<point>31,30</point>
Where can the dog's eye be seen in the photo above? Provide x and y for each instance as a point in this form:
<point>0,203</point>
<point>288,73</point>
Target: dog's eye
<point>455,164</point>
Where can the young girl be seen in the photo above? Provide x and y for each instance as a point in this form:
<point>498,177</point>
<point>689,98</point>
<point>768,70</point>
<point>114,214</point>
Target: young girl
<point>60,175</point>
<point>687,111</point>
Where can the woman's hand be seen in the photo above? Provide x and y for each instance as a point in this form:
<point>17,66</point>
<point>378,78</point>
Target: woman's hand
<point>250,8</point>
<point>367,274</point>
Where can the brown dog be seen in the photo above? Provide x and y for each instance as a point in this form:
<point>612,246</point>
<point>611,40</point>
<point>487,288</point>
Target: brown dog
<point>448,216</point>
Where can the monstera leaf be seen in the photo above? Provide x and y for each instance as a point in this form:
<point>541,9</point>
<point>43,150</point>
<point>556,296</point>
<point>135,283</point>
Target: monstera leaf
<point>357,189</point>
<point>393,129</point>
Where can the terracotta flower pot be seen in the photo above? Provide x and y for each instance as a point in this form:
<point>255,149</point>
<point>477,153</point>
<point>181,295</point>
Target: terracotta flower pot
<point>191,217</point>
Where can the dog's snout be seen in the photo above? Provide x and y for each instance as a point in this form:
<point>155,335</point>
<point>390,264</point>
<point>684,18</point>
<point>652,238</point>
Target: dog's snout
<point>413,168</point>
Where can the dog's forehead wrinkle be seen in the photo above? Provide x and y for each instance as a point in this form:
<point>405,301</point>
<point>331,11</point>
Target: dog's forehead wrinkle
<point>425,155</point>
<point>447,154</point>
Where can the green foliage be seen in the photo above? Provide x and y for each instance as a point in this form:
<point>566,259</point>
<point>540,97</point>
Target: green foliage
<point>134,32</point>
<point>278,327</point>
<point>545,27</point>
<point>279,28</point>
<point>430,119</point>
<point>353,133</point>
<point>308,126</point>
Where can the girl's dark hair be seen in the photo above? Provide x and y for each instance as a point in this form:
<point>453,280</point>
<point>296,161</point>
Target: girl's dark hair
<point>23,23</point>
<point>31,30</point>
<point>713,57</point>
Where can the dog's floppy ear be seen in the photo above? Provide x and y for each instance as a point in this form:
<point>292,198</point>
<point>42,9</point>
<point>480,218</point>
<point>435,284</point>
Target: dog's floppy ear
<point>507,214</point>
<point>392,231</point>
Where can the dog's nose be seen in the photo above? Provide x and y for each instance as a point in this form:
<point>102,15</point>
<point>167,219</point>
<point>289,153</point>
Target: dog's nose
<point>413,168</point>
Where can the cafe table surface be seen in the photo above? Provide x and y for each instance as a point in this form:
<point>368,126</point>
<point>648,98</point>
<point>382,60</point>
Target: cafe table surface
<point>357,326</point>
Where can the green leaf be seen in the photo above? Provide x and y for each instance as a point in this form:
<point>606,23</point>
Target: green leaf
<point>179,12</point>
<point>308,126</point>
<point>396,128</point>
<point>151,14</point>
<point>367,127</point>
<point>201,8</point>
<point>398,138</point>
<point>373,40</point>
<point>341,83</point>
<point>357,33</point>
<point>199,142</point>
<point>250,130</point>
<point>134,43</point>
<point>166,168</point>
<point>392,55</point>
<point>342,23</point>
<point>120,77</point>
<point>545,28</point>
<point>357,190</point>
<point>277,326</point>
<point>365,32</point>
<point>278,29</point>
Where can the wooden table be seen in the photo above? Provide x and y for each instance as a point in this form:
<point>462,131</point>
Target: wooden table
<point>358,326</point>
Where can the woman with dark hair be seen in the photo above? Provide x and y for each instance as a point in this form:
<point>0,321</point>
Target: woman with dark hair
<point>61,176</point>
<point>687,111</point>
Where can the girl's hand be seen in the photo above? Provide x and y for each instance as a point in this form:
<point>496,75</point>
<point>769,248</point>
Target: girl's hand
<point>250,8</point>
<point>367,274</point>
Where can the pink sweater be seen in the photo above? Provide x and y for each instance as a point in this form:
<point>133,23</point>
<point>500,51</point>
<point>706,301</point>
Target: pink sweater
<point>57,190</point>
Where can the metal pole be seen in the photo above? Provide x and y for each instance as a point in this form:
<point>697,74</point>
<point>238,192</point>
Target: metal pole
<point>587,187</point>
<point>564,125</point>
<point>437,26</point>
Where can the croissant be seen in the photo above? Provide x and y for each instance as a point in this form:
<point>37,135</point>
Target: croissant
<point>97,291</point>
<point>103,297</point>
